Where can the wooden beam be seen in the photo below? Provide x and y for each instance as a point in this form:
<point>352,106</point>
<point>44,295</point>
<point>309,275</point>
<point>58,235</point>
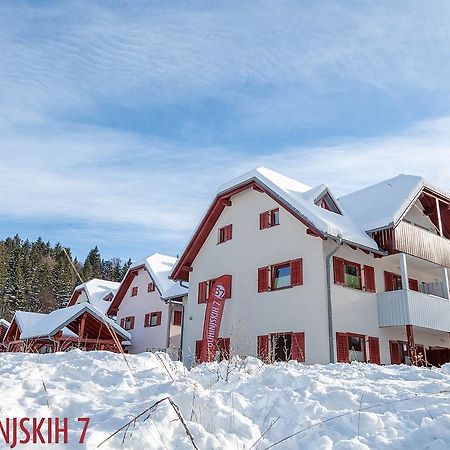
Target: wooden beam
<point>438,208</point>
<point>411,344</point>
<point>82,325</point>
<point>226,202</point>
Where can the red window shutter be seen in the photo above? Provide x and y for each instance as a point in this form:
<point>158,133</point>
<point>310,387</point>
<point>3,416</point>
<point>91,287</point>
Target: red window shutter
<point>264,220</point>
<point>388,281</point>
<point>413,284</point>
<point>342,347</point>
<point>339,270</point>
<point>369,278</point>
<point>298,346</point>
<point>229,232</point>
<point>297,272</point>
<point>202,289</point>
<point>198,350</point>
<point>263,348</point>
<point>263,279</point>
<point>132,323</point>
<point>395,352</point>
<point>374,350</point>
<point>122,322</point>
<point>146,320</point>
<point>158,318</point>
<point>177,318</point>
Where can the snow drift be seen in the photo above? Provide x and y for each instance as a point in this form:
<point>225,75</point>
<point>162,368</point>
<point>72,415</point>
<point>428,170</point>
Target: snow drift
<point>240,405</point>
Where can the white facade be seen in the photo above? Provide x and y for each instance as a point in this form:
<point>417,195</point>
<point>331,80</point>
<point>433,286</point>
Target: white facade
<point>163,336</point>
<point>249,314</point>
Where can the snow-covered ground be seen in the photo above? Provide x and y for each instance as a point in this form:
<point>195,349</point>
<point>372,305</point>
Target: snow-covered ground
<point>230,406</point>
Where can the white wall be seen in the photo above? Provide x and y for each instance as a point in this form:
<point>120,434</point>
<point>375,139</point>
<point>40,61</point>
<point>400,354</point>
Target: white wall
<point>248,313</point>
<point>145,302</point>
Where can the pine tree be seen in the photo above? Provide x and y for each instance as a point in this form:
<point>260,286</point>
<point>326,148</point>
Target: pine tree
<point>34,276</point>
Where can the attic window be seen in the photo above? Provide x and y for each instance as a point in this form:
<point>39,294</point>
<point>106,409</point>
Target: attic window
<point>325,201</point>
<point>151,287</point>
<point>108,298</point>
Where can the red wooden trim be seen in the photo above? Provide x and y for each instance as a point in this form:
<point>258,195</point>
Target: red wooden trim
<point>198,350</point>
<point>75,295</point>
<point>263,347</point>
<point>264,220</point>
<point>342,348</point>
<point>411,345</point>
<point>297,272</point>
<point>374,350</point>
<point>413,284</point>
<point>263,279</point>
<point>202,294</point>
<point>298,346</point>
<point>388,281</point>
<point>177,318</point>
<point>210,219</point>
<point>339,270</point>
<point>123,288</point>
<point>369,279</point>
<point>395,352</point>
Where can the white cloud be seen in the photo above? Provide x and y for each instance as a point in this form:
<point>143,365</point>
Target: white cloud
<point>160,188</point>
<point>275,65</point>
<point>72,57</point>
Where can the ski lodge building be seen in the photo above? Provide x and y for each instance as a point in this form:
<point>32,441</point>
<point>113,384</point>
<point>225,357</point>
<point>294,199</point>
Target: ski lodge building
<point>320,279</point>
<point>150,306</point>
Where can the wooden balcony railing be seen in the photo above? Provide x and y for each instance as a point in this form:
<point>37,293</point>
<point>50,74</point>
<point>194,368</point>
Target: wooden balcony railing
<point>415,241</point>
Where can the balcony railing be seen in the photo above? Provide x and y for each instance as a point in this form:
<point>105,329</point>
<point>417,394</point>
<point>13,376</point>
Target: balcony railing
<point>396,308</point>
<point>418,242</point>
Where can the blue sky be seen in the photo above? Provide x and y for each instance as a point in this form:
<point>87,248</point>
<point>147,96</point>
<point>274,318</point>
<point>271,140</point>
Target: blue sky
<point>119,120</point>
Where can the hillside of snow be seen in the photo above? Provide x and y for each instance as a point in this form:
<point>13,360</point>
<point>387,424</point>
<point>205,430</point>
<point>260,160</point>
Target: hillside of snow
<point>242,405</point>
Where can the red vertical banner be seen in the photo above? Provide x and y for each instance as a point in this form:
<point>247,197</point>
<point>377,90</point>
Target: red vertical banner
<point>220,290</point>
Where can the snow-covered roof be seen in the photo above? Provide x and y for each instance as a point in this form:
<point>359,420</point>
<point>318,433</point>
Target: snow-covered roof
<point>159,267</point>
<point>27,320</point>
<point>383,204</point>
<point>5,323</point>
<point>50,324</point>
<point>96,290</point>
<point>300,198</point>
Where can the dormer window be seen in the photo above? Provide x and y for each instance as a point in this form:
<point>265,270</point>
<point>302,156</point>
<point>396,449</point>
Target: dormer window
<point>325,201</point>
<point>108,298</point>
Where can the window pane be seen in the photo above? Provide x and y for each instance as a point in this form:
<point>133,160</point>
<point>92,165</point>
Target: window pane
<point>351,276</point>
<point>356,348</point>
<point>275,217</point>
<point>153,320</point>
<point>282,277</point>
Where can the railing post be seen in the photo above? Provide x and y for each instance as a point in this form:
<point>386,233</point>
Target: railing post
<point>404,272</point>
<point>445,285</point>
<point>411,344</point>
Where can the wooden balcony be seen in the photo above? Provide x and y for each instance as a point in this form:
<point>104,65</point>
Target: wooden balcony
<point>399,308</point>
<point>412,240</point>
